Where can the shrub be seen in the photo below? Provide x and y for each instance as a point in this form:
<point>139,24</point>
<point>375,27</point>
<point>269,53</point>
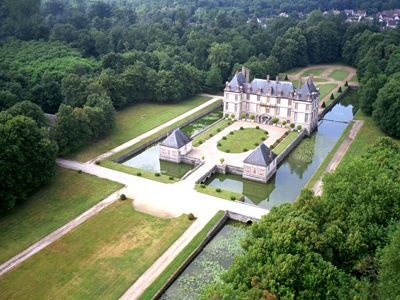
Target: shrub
<point>275,120</point>
<point>202,157</point>
<point>218,190</point>
<point>229,123</point>
<point>241,128</point>
<point>277,140</point>
<point>171,177</point>
<point>265,132</point>
<point>203,185</point>
<point>219,145</point>
<point>256,144</point>
<point>79,171</point>
<point>252,117</point>
<point>227,151</point>
<point>299,127</point>
<point>286,78</point>
<point>139,174</point>
<point>271,147</point>
<point>244,149</point>
<point>224,138</point>
<point>210,134</point>
<point>332,97</point>
<point>191,217</point>
<point>97,162</point>
<point>231,132</point>
<point>292,125</point>
<point>263,138</point>
<point>122,197</point>
<point>340,89</point>
<point>218,130</point>
<point>257,127</point>
<point>283,122</point>
<point>222,160</point>
<point>232,115</point>
<point>346,84</point>
<point>286,132</point>
<point>157,174</point>
<point>233,198</point>
<point>243,116</point>
<point>323,104</point>
<point>200,142</point>
<point>226,115</point>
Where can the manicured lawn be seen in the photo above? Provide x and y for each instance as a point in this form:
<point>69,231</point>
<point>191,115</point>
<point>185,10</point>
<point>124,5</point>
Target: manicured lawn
<point>325,89</point>
<point>296,82</point>
<point>316,72</point>
<point>282,146</point>
<point>241,139</point>
<point>367,135</point>
<point>339,74</point>
<point>354,79</point>
<point>130,124</point>
<point>55,204</point>
<point>320,80</point>
<point>100,259</point>
<point>180,259</point>
<point>223,194</point>
<point>329,157</point>
<point>206,135</point>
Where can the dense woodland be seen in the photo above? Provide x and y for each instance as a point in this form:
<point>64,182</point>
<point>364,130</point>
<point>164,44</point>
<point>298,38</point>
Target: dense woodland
<point>82,60</point>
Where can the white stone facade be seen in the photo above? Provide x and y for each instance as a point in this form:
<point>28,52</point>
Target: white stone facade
<point>259,173</point>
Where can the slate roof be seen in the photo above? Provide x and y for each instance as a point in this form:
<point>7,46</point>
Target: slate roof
<point>260,156</point>
<point>176,140</point>
<point>52,119</point>
<point>285,87</point>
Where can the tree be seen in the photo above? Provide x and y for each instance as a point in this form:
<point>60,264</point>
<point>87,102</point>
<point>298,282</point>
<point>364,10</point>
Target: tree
<point>27,158</point>
<point>105,104</point>
<point>221,56</point>
<point>214,79</point>
<point>368,94</point>
<point>30,110</point>
<point>64,33</point>
<point>47,94</point>
<point>74,90</point>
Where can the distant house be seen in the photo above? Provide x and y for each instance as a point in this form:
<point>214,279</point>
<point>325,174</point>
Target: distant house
<point>386,19</point>
<point>325,13</point>
<point>283,14</point>
<point>392,23</point>
<point>361,13</point>
<point>174,146</point>
<point>336,12</point>
<point>349,12</point>
<point>260,165</point>
<point>349,21</point>
<point>300,15</point>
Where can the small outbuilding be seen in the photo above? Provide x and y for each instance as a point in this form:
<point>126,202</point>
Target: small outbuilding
<point>174,146</point>
<point>260,165</point>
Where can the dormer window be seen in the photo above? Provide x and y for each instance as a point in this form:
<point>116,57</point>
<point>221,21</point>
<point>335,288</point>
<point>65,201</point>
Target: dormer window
<point>248,89</point>
<point>236,88</point>
<point>308,97</point>
<point>258,90</point>
<point>290,94</point>
<point>279,93</point>
<point>269,91</point>
<point>298,96</point>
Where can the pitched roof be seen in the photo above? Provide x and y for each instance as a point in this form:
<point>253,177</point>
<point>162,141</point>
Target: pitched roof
<point>52,119</point>
<point>260,156</point>
<point>176,140</point>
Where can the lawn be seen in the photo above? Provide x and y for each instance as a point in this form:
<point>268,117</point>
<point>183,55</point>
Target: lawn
<point>320,80</point>
<point>213,131</point>
<point>130,124</point>
<point>325,89</point>
<point>316,72</point>
<point>339,74</point>
<point>242,139</point>
<point>354,79</point>
<point>49,208</point>
<point>180,259</point>
<point>223,194</point>
<point>296,82</point>
<point>282,146</point>
<point>100,259</point>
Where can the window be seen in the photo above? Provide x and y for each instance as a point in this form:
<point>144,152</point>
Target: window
<point>267,110</point>
<point>289,112</point>
<point>295,116</point>
<point>277,111</point>
<point>296,106</point>
<point>290,102</point>
<point>307,107</point>
<point>226,105</point>
<point>236,97</point>
<point>258,98</point>
<point>268,100</point>
<point>278,101</point>
<point>227,96</point>
<point>248,97</point>
<point>248,106</point>
<point>235,107</point>
<point>306,118</point>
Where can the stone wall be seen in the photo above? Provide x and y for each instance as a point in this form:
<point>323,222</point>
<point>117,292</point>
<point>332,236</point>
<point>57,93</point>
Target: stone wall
<point>334,102</point>
<point>257,177</point>
<point>221,169</point>
<point>206,175</point>
<point>164,135</point>
<point>190,160</point>
<point>290,147</point>
<point>208,128</point>
<point>241,218</point>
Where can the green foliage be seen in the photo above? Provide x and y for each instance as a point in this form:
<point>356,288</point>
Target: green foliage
<point>263,138</point>
<point>171,177</point>
<point>252,117</point>
<point>283,122</point>
<point>222,160</point>
<point>305,150</point>
<point>139,173</point>
<point>30,110</point>
<point>271,146</point>
<point>232,115</point>
<point>323,104</point>
<point>243,116</point>
<point>219,144</point>
<point>346,84</point>
<point>241,128</point>
<point>332,98</point>
<point>218,190</point>
<point>157,174</point>
<point>340,89</point>
<point>203,185</point>
<point>97,162</point>
<point>226,115</point>
<point>224,138</point>
<point>277,141</point>
<point>231,133</point>
<point>292,125</point>
<point>275,120</point>
<point>190,217</point>
<point>265,132</point>
<point>257,127</point>
<point>79,171</point>
<point>122,197</point>
<point>227,151</point>
<point>298,127</point>
<point>244,149</point>
<point>233,198</point>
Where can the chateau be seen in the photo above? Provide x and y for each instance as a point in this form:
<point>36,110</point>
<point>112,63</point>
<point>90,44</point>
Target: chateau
<point>267,99</point>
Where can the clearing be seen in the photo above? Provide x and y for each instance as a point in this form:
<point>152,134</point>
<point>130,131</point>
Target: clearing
<point>242,139</point>
<point>49,208</point>
<point>100,259</point>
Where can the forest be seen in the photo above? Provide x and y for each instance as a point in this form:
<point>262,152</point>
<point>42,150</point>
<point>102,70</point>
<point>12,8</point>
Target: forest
<point>82,60</point>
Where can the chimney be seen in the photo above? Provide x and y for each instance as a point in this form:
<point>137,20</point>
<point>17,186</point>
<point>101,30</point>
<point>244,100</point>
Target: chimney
<point>247,76</point>
<point>236,73</point>
<point>310,79</point>
<point>227,85</point>
<point>277,79</point>
<point>299,84</point>
<point>243,70</point>
<point>167,133</point>
<point>268,78</point>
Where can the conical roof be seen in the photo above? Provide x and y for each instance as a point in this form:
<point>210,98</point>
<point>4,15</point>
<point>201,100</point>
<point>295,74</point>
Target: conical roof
<point>176,140</point>
<point>260,156</point>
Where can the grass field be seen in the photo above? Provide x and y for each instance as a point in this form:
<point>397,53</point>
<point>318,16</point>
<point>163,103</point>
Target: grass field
<point>49,208</point>
<point>325,89</point>
<point>278,150</point>
<point>130,124</point>
<point>241,139</point>
<point>339,74</point>
<point>213,131</point>
<point>354,79</point>
<point>296,82</point>
<point>320,80</point>
<point>100,259</point>
<point>316,72</point>
<point>223,194</point>
<point>180,259</point>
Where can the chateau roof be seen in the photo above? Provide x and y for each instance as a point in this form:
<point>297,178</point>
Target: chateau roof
<point>260,156</point>
<point>176,140</point>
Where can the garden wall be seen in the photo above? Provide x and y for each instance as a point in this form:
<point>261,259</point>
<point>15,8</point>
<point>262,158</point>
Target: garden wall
<point>290,147</point>
<point>221,169</point>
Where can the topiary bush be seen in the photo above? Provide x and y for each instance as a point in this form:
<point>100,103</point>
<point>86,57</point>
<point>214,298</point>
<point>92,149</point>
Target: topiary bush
<point>265,132</point>
<point>203,185</point>
<point>283,122</point>
<point>256,144</point>
<point>139,174</point>
<point>271,147</point>
<point>226,115</point>
<point>286,78</point>
<point>233,198</point>
<point>219,145</point>
<point>323,104</point>
<point>222,160</point>
<point>210,135</point>
<point>292,125</point>
<point>122,197</point>
<point>224,138</point>
<point>252,117</point>
<point>191,217</point>
<point>97,162</point>
<point>218,130</point>
<point>257,127</point>
<point>232,115</point>
<point>275,120</point>
<point>218,190</point>
<point>332,97</point>
<point>157,174</point>
<point>231,132</point>
<point>299,127</point>
<point>277,140</point>
<point>200,142</point>
<point>227,151</point>
<point>171,177</point>
<point>286,132</point>
<point>241,128</point>
<point>263,138</point>
<point>340,89</point>
<point>229,123</point>
<point>346,84</point>
<point>79,171</point>
<point>244,149</point>
<point>243,116</point>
